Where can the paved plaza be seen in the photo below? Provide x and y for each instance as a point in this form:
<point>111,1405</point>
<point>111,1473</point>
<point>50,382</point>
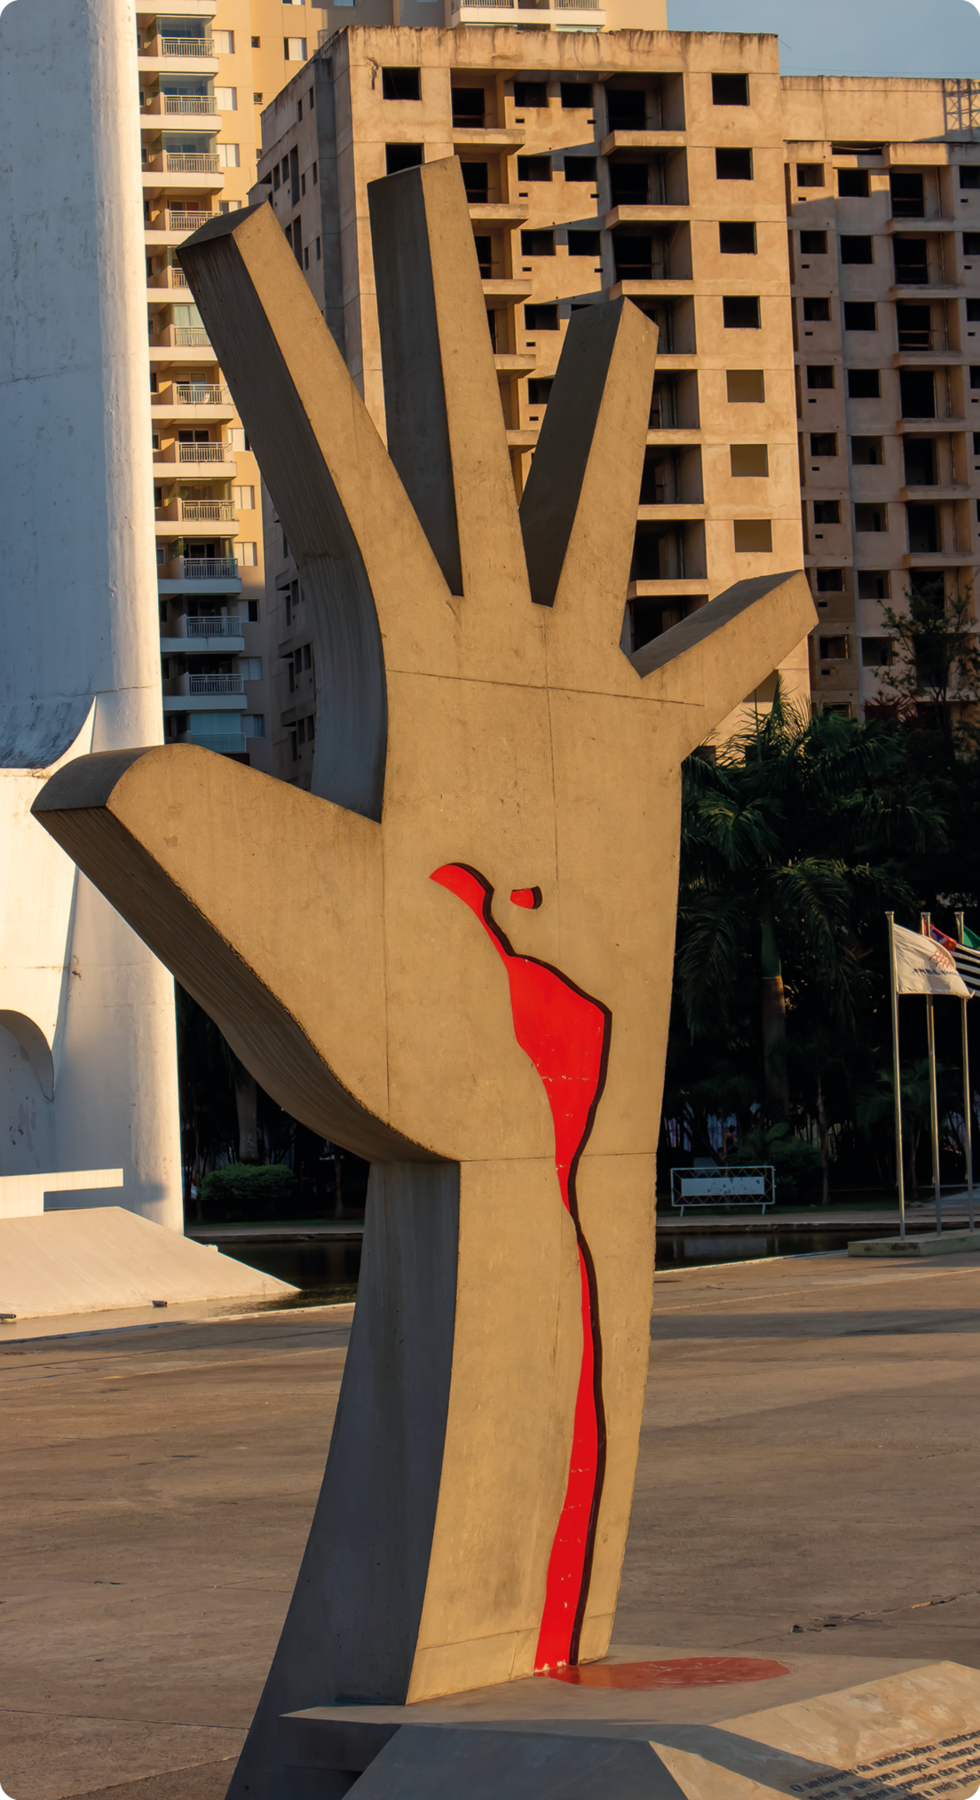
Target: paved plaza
<point>807,1483</point>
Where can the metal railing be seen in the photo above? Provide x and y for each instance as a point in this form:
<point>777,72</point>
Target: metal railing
<point>219,626</point>
<point>183,162</point>
<point>203,453</point>
<point>208,568</point>
<point>215,684</point>
<point>201,393</point>
<point>187,46</point>
<point>191,336</point>
<point>187,221</point>
<point>578,5</point>
<point>195,510</point>
<point>227,743</point>
<point>190,103</point>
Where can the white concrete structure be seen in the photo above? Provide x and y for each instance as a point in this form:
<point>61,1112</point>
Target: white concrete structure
<point>87,1039</point>
<point>23,1196</point>
<point>105,1259</point>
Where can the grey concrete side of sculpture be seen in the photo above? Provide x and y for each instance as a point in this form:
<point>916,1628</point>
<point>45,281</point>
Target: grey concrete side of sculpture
<point>476,714</point>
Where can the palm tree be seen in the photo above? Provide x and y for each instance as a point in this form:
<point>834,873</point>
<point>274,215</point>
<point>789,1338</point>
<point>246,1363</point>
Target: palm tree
<point>793,839</point>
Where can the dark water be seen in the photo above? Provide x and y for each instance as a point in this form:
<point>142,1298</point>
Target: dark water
<point>327,1273</point>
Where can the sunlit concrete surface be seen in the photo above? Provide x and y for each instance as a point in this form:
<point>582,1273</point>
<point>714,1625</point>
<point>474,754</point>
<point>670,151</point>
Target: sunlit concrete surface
<point>809,1460</point>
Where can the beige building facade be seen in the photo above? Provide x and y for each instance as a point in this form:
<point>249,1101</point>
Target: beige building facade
<point>883,179</point>
<point>206,70</point>
<point>645,164</point>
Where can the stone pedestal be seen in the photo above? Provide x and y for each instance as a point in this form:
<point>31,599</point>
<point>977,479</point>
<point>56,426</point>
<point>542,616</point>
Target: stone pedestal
<point>658,1724</point>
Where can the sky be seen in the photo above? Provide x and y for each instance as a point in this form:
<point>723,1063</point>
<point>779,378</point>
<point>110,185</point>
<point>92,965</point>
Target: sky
<point>850,37</point>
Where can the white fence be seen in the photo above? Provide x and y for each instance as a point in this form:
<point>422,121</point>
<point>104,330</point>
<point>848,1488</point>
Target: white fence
<point>747,1184</point>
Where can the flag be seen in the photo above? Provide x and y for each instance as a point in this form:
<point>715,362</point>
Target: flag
<point>966,956</point>
<point>923,967</point>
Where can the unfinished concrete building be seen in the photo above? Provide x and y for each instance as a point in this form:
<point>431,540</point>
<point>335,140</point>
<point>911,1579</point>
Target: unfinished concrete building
<point>883,179</point>
<point>639,163</point>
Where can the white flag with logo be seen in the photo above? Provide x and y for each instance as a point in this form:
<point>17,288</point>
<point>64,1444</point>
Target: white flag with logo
<point>923,967</point>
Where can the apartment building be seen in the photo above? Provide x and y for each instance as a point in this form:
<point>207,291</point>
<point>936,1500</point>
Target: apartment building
<point>883,181</point>
<point>205,75</point>
<point>648,164</point>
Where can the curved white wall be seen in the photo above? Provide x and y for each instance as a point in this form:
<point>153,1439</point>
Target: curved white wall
<point>78,595</point>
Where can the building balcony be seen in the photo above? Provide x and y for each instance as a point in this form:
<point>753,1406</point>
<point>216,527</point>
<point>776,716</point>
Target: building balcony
<point>559,15</point>
<point>197,106</point>
<point>629,213</point>
<point>499,287</point>
<point>186,221</point>
<point>156,180</point>
<point>642,140</point>
<point>166,281</point>
<point>632,287</point>
<point>205,636</point>
<point>916,427</point>
<point>220,687</point>
<point>215,462</point>
<point>519,362</point>
<point>197,512</point>
<point>153,59</point>
<point>696,589</point>
<point>499,212</point>
<point>196,575</point>
<point>225,743</point>
<point>677,509</point>
<point>182,337</point>
<point>937,559</point>
<point>488,137</point>
<point>197,402</point>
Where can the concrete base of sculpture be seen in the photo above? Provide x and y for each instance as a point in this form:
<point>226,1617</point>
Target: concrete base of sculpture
<point>656,1724</point>
<point>947,1243</point>
<point>102,1258</point>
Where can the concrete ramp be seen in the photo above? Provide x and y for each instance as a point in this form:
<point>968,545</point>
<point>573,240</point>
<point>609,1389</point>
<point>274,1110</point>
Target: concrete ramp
<point>103,1257</point>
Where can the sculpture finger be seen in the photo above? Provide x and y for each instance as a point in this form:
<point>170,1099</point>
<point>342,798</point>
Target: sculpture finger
<point>332,482</point>
<point>714,659</point>
<point>445,426</point>
<point>196,852</point>
<point>579,507</point>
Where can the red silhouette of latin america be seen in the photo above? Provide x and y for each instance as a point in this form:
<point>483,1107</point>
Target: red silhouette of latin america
<point>566,1033</point>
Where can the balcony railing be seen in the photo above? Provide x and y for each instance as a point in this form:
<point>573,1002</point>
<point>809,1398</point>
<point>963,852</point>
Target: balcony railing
<point>187,221</point>
<point>187,46</point>
<point>190,103</point>
<point>200,393</point>
<point>212,684</point>
<point>197,510</point>
<point>203,453</point>
<point>191,336</point>
<point>227,743</point>
<point>168,278</point>
<point>915,340</point>
<point>207,568</point>
<point>182,162</point>
<point>219,626</point>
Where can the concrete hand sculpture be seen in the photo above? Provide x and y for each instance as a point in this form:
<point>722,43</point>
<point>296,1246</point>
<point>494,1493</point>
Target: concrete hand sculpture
<point>454,955</point>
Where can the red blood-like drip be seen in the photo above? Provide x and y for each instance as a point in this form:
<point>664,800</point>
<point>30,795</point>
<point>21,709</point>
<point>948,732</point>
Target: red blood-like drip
<point>566,1034</point>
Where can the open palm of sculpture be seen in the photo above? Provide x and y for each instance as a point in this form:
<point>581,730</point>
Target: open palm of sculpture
<point>458,947</point>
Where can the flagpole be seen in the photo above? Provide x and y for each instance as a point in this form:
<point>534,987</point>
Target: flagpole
<point>926,920</point>
<point>898,1090</point>
<point>967,1095</point>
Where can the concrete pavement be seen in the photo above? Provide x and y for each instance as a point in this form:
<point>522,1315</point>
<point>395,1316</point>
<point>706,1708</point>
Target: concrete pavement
<point>807,1482</point>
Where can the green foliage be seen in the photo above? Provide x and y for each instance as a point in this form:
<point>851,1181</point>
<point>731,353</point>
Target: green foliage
<point>248,1191</point>
<point>796,1163</point>
<point>798,835</point>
